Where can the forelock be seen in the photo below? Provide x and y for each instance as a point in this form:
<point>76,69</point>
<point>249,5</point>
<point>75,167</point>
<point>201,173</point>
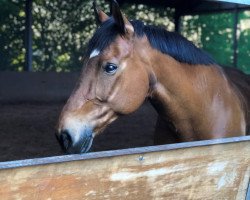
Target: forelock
<point>103,36</point>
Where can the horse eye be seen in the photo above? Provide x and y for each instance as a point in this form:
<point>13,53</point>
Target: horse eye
<point>110,68</point>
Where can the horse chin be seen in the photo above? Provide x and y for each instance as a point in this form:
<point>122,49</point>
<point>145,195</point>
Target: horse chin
<point>85,146</point>
<point>81,147</point>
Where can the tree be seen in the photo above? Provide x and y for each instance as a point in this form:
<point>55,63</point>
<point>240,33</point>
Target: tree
<point>213,33</point>
<point>244,42</point>
<point>12,21</point>
<point>62,29</point>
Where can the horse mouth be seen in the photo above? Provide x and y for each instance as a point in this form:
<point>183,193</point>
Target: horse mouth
<point>85,145</point>
<point>82,146</point>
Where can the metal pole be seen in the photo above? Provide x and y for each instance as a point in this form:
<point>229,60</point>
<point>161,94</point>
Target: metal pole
<point>28,35</point>
<point>235,39</point>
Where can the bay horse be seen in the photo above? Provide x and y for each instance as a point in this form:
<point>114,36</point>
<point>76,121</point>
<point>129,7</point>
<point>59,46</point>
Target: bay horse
<point>127,62</point>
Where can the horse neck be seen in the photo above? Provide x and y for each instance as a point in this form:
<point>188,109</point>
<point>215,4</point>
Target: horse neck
<point>197,99</point>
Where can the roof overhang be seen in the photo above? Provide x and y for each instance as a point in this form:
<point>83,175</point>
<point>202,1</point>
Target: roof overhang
<point>195,6</point>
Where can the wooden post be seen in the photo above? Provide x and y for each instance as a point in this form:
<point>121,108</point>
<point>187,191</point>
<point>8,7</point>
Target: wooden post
<point>28,35</point>
<point>177,17</point>
<point>235,39</point>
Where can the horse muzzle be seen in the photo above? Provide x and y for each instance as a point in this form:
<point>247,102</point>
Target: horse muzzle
<point>75,143</point>
<point>77,127</point>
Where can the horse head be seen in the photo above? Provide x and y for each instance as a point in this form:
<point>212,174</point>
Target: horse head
<point>113,82</point>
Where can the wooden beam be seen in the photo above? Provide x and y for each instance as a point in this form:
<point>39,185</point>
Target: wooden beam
<point>246,2</point>
<point>214,7</point>
<point>107,154</point>
<point>217,170</point>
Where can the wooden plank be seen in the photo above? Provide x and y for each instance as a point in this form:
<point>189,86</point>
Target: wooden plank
<point>105,154</point>
<point>214,171</point>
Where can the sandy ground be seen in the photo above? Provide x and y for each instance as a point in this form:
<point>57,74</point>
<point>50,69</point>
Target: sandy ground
<point>27,131</point>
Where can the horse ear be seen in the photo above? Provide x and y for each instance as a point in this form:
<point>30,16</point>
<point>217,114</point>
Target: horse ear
<point>99,14</point>
<point>121,21</point>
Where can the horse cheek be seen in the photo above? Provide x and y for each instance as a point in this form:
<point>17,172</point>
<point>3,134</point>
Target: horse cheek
<point>131,95</point>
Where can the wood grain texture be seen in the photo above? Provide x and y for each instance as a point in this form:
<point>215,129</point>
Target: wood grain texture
<point>207,172</point>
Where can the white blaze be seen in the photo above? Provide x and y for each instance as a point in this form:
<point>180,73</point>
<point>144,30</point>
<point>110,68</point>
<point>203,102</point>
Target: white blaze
<point>94,53</point>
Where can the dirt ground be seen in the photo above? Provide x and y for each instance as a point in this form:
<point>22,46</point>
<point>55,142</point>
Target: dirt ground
<point>27,131</point>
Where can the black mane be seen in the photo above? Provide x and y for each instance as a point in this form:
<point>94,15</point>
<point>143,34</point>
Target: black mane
<point>166,42</point>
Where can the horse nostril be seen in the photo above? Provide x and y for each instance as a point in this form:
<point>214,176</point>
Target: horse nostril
<point>65,140</point>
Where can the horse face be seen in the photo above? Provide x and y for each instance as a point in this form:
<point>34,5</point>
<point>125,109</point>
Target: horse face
<point>113,82</point>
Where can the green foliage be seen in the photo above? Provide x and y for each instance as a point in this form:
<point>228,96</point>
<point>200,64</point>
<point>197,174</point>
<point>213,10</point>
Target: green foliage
<point>12,22</point>
<point>244,42</point>
<point>65,27</point>
<point>214,33</point>
<point>150,15</point>
<point>62,29</point>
